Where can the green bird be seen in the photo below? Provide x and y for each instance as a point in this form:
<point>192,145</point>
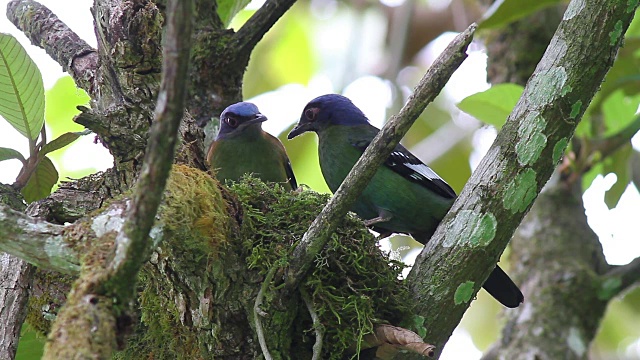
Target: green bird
<point>242,147</point>
<point>404,196</point>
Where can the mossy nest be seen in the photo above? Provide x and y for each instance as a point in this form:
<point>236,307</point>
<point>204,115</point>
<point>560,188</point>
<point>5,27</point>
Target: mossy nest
<point>353,284</point>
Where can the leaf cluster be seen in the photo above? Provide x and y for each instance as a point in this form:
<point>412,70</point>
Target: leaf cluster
<point>22,105</point>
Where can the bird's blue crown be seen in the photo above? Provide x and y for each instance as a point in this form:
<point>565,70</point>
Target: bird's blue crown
<point>338,110</point>
<point>242,109</point>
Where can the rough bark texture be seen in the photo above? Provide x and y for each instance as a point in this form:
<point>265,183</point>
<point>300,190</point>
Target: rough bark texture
<point>556,258</point>
<point>560,263</point>
<point>494,201</point>
<point>515,50</point>
<point>15,279</point>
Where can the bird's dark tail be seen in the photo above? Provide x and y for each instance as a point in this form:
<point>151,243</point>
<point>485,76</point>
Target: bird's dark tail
<point>502,288</point>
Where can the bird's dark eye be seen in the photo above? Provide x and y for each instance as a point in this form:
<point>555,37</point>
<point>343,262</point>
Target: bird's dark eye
<point>311,114</point>
<point>231,121</point>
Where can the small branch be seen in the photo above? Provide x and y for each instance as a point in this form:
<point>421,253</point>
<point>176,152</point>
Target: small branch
<point>258,313</point>
<point>611,144</point>
<point>45,30</point>
<point>16,278</point>
<point>622,277</point>
<point>36,241</point>
<point>133,247</point>
<point>433,81</point>
<point>254,29</point>
<point>317,325</point>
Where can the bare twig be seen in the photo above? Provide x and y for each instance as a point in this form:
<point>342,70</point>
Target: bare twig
<point>620,278</point>
<point>433,81</point>
<point>318,328</point>
<point>133,247</point>
<point>45,30</point>
<point>254,29</point>
<point>258,313</point>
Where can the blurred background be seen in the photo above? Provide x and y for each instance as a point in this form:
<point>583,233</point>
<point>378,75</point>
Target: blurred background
<point>374,53</point>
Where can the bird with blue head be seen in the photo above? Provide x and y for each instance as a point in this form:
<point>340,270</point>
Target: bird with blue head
<point>404,196</point>
<point>242,147</point>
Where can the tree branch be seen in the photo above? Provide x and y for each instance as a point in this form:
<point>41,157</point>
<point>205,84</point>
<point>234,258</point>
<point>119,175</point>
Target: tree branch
<point>611,144</point>
<point>36,241</point>
<point>254,29</point>
<point>16,277</point>
<point>102,295</point>
<point>620,278</point>
<point>45,30</point>
<point>467,244</point>
<point>133,247</point>
<point>432,82</point>
<point>15,280</point>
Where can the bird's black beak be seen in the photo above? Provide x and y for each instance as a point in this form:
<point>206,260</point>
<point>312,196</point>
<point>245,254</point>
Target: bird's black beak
<point>258,118</point>
<point>299,129</point>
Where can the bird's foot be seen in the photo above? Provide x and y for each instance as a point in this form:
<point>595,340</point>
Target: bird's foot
<point>376,220</point>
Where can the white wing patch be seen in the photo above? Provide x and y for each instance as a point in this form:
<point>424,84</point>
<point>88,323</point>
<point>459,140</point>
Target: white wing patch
<point>421,170</point>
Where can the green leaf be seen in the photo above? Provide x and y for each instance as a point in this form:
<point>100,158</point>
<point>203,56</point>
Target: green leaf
<point>270,66</point>
<point>503,12</point>
<point>8,154</point>
<point>41,181</point>
<point>62,141</point>
<point>21,88</point>
<point>494,105</point>
<point>625,72</point>
<point>227,9</point>
<point>61,102</point>
<point>619,111</point>
<point>589,176</point>
<point>31,345</point>
<point>618,163</point>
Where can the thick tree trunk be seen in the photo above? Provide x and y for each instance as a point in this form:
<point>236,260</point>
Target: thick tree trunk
<point>559,261</point>
<point>555,256</point>
<point>521,160</point>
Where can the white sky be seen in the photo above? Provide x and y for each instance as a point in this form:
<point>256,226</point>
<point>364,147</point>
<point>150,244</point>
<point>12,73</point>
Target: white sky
<point>617,228</point>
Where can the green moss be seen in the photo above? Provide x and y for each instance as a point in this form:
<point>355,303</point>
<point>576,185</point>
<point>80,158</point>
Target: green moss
<point>43,306</point>
<point>194,211</point>
<point>353,284</point>
<point>196,221</point>
<point>160,334</point>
